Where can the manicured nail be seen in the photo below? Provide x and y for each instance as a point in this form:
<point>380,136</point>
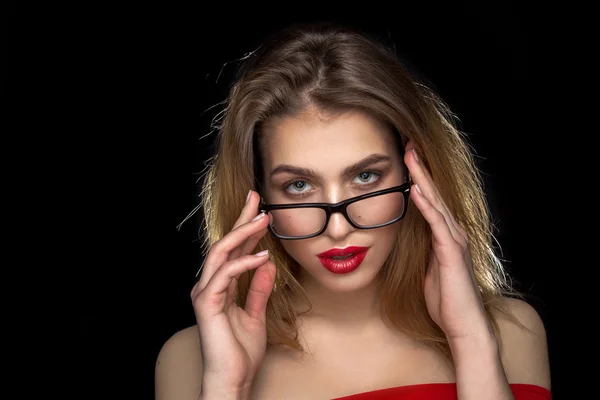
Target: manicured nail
<point>248,197</point>
<point>418,188</point>
<point>262,253</point>
<point>259,216</point>
<point>416,157</point>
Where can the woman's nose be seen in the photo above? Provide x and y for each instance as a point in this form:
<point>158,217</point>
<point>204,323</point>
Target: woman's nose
<point>338,226</point>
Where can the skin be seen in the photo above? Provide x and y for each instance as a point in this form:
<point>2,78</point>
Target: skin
<point>344,302</point>
<point>307,141</point>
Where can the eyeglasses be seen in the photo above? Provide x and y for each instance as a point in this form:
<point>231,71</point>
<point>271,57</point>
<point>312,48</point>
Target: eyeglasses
<point>367,211</point>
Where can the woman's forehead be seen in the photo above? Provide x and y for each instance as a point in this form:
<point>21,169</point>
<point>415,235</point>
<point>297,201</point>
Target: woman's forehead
<point>353,134</point>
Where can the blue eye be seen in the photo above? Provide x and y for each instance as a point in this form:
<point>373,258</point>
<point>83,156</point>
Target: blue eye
<point>302,188</point>
<point>297,185</point>
<point>364,176</point>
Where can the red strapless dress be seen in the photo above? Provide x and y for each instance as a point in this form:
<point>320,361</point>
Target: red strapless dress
<point>443,391</point>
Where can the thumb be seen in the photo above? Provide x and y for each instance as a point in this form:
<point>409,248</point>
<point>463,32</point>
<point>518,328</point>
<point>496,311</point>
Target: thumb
<point>260,291</point>
<point>409,146</point>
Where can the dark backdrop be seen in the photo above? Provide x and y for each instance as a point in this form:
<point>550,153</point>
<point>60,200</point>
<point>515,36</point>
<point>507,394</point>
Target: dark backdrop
<point>146,77</point>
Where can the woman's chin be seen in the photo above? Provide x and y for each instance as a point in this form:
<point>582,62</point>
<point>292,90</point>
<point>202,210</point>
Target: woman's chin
<point>339,280</point>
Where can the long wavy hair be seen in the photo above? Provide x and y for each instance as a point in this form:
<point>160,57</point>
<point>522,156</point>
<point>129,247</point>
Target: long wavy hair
<point>337,69</point>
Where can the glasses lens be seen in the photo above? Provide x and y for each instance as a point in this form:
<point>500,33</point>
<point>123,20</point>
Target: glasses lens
<point>370,212</point>
<point>297,221</point>
<point>377,210</point>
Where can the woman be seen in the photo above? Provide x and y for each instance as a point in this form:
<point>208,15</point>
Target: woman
<point>361,265</point>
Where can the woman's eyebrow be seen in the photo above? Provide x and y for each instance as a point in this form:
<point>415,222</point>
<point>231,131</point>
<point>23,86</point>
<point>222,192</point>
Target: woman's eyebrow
<point>348,172</point>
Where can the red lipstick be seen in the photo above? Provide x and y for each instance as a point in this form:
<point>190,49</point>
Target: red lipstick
<point>353,256</point>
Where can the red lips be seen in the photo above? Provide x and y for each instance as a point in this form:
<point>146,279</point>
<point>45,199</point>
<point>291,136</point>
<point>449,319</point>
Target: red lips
<point>343,252</point>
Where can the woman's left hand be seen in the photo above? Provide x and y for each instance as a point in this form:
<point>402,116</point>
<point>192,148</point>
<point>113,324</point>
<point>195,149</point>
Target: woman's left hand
<point>451,291</point>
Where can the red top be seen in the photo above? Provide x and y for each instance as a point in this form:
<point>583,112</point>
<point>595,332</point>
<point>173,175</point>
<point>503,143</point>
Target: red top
<point>443,391</point>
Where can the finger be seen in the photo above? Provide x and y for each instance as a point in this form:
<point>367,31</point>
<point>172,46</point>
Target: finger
<point>248,247</point>
<point>458,231</point>
<point>261,288</point>
<point>215,292</point>
<point>221,250</point>
<point>249,211</point>
<point>421,177</point>
<point>250,244</point>
<point>444,241</point>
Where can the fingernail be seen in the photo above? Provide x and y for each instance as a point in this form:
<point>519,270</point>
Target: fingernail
<point>262,253</point>
<point>248,197</point>
<point>418,188</point>
<point>416,156</point>
<point>259,216</point>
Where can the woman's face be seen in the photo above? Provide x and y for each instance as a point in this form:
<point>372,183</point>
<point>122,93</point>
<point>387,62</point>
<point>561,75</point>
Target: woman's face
<point>324,148</point>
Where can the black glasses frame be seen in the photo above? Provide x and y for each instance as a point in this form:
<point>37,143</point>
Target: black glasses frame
<point>340,207</point>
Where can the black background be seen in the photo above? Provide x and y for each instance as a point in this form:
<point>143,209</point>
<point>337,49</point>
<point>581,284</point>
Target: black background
<point>144,78</point>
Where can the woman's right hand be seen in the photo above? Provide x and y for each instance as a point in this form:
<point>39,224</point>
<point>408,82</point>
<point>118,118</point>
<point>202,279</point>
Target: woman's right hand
<point>233,340</point>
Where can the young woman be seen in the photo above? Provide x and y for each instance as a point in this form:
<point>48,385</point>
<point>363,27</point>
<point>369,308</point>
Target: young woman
<point>350,250</point>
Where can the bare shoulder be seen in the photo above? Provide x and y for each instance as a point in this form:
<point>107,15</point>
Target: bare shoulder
<point>178,369</point>
<point>524,346</point>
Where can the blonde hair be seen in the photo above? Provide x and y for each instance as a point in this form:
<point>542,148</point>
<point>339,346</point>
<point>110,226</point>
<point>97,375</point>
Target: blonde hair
<point>335,70</point>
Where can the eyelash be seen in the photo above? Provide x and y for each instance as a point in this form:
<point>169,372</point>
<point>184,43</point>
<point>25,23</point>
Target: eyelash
<point>302,194</point>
